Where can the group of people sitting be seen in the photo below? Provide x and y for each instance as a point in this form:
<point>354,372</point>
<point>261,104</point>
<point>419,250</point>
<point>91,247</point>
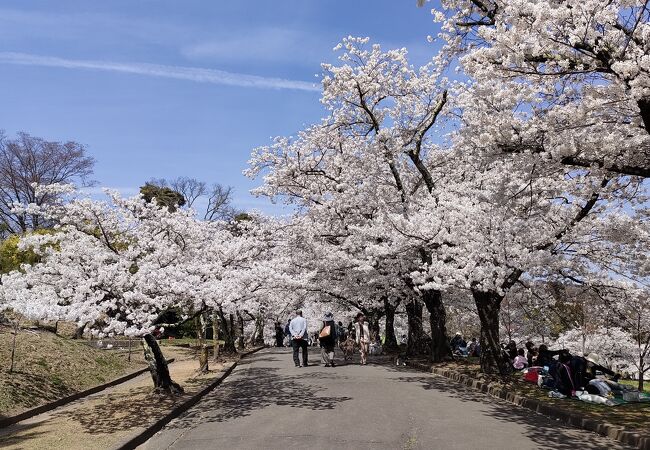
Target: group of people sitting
<point>567,375</point>
<point>459,347</point>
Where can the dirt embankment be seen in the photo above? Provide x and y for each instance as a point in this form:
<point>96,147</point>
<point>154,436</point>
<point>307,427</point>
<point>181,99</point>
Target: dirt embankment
<point>48,367</point>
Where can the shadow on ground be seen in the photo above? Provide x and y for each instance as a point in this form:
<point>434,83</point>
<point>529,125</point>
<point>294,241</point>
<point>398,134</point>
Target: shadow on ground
<point>255,389</point>
<point>120,412</point>
<point>543,430</point>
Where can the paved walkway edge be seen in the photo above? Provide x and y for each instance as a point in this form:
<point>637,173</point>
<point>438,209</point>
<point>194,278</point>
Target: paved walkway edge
<point>5,422</point>
<point>146,434</point>
<point>632,438</point>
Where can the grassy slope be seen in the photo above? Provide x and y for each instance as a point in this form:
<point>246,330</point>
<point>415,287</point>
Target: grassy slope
<point>49,367</point>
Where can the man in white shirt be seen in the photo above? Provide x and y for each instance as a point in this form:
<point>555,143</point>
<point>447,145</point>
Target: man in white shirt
<point>298,330</point>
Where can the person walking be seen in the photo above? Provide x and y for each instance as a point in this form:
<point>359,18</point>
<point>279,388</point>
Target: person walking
<point>362,336</point>
<point>279,335</point>
<point>287,333</point>
<point>298,330</point>
<point>327,339</point>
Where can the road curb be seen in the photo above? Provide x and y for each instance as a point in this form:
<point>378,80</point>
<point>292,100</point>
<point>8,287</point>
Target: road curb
<point>147,433</point>
<point>5,422</point>
<point>634,439</point>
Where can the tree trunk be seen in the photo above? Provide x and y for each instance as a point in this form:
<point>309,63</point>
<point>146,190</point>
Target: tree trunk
<point>79,332</point>
<point>493,360</point>
<point>373,323</point>
<point>203,359</point>
<point>259,330</point>
<point>642,370</point>
<point>158,367</point>
<point>227,332</point>
<point>215,335</point>
<point>391,340</point>
<point>417,339</point>
<point>438,321</point>
<point>240,330</point>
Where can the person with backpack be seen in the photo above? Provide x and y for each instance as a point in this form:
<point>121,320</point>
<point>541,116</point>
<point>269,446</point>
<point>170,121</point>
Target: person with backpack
<point>327,339</point>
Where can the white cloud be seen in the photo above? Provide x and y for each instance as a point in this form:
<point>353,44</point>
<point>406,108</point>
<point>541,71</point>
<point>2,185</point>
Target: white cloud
<point>196,74</point>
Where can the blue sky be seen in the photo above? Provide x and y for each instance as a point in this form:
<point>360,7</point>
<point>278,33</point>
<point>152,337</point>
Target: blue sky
<point>167,88</point>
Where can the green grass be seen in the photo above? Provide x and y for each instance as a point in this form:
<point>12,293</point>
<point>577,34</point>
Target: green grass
<point>635,384</point>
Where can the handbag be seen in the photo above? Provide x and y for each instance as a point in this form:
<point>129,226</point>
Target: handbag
<point>325,332</point>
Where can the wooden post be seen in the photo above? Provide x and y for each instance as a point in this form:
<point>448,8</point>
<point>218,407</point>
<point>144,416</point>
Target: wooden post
<point>13,345</point>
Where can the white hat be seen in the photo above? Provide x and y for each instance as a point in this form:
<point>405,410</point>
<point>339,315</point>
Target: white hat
<point>594,358</point>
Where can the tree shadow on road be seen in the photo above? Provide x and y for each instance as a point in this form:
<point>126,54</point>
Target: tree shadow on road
<point>20,436</point>
<point>258,388</point>
<point>540,429</point>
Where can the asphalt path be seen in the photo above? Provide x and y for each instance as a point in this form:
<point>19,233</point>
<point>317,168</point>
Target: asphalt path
<point>267,403</point>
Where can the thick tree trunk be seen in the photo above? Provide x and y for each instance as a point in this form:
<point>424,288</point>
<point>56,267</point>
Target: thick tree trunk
<point>158,367</point>
<point>203,359</point>
<point>438,320</point>
<point>215,335</point>
<point>642,371</point>
<point>417,339</point>
<point>493,360</point>
<point>79,332</point>
<point>240,331</point>
<point>259,330</point>
<point>391,340</point>
<point>227,333</point>
<point>373,323</point>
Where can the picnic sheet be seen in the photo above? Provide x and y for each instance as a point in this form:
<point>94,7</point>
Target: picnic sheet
<point>644,398</point>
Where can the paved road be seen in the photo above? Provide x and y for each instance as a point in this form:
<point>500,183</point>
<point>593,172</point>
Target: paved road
<point>267,403</point>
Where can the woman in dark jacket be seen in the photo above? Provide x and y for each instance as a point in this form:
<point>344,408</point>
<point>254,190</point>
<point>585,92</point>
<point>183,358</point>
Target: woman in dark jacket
<point>327,343</point>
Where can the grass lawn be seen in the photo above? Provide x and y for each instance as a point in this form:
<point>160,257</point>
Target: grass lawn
<point>49,367</point>
<point>634,416</point>
<point>635,384</point>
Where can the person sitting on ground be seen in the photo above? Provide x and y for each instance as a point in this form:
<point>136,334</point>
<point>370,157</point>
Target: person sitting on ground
<point>362,333</point>
<point>531,353</point>
<point>587,368</point>
<point>545,356</point>
<point>298,330</point>
<point>564,379</point>
<point>520,361</point>
<point>511,349</point>
<point>471,348</point>
<point>327,339</point>
<point>456,341</point>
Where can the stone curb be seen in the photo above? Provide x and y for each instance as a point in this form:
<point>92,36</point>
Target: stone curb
<point>146,434</point>
<point>634,439</point>
<point>5,422</point>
